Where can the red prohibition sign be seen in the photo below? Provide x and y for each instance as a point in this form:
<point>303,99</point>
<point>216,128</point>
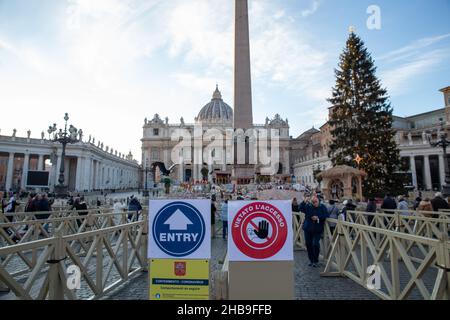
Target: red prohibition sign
<point>246,221</point>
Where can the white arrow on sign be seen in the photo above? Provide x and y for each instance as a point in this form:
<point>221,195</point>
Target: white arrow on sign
<point>178,221</point>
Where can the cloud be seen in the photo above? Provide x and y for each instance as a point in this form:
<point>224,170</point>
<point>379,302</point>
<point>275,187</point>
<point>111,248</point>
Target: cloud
<point>412,49</point>
<point>409,62</point>
<point>114,57</point>
<point>313,8</point>
<point>398,79</point>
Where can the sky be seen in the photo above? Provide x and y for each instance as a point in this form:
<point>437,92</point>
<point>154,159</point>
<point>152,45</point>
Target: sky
<point>112,63</point>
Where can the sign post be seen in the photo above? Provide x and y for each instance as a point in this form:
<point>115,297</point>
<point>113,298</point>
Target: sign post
<point>260,250</point>
<point>179,249</point>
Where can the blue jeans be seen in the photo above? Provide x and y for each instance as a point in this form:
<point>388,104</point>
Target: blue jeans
<point>224,229</point>
<point>312,240</point>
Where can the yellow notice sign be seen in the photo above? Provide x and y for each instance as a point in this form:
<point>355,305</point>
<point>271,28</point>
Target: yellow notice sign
<point>179,279</point>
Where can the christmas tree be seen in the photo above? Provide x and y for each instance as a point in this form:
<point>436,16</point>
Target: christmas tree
<point>361,122</point>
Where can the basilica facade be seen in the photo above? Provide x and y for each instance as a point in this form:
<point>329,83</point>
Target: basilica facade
<point>161,144</point>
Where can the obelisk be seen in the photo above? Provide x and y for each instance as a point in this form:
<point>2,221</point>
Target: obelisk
<point>251,280</point>
<point>243,116</point>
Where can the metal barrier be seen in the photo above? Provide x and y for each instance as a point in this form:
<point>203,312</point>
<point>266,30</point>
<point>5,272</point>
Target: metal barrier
<point>112,254</point>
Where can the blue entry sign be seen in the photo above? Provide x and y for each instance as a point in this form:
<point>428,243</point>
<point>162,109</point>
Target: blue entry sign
<point>179,229</point>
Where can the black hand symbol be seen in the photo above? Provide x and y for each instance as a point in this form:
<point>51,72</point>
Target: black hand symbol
<point>263,230</point>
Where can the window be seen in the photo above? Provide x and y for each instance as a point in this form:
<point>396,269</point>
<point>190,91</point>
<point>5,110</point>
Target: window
<point>154,154</point>
<point>156,132</point>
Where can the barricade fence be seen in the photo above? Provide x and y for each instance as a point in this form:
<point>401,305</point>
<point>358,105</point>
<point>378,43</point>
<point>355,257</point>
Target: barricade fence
<point>108,249</point>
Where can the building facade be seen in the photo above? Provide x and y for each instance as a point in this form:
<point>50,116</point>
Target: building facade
<point>425,163</point>
<point>88,166</point>
<point>215,123</point>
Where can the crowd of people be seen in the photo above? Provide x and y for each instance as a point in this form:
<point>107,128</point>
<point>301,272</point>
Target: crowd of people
<point>41,205</point>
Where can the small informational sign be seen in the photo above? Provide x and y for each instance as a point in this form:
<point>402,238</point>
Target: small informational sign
<point>179,229</point>
<point>175,279</point>
<point>260,231</point>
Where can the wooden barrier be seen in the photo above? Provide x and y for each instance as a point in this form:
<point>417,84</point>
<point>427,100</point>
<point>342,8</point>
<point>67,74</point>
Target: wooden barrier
<point>350,257</point>
<point>107,256</point>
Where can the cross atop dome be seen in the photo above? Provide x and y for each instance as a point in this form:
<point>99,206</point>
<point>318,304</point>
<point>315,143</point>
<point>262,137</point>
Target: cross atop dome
<point>217,95</point>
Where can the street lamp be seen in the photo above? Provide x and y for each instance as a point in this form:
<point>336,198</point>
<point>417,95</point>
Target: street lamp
<point>68,136</point>
<point>443,143</point>
<point>145,193</point>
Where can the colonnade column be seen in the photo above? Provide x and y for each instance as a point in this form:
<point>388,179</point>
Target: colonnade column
<point>413,171</point>
<point>428,184</point>
<point>10,171</point>
<point>26,166</point>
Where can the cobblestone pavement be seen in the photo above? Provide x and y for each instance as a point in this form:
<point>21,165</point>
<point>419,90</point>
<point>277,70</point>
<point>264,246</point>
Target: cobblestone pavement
<point>309,285</point>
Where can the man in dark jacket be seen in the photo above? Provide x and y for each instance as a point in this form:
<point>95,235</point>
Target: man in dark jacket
<point>348,206</point>
<point>134,205</point>
<point>388,203</point>
<point>372,208</point>
<point>438,202</point>
<point>315,215</point>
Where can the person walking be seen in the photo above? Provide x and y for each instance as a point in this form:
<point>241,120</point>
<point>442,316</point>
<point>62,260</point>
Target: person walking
<point>224,218</point>
<point>402,205</point>
<point>348,206</point>
<point>134,206</point>
<point>43,205</point>
<point>417,203</point>
<point>425,205</point>
<point>213,219</point>
<point>388,204</point>
<point>10,209</point>
<point>119,207</point>
<point>315,215</point>
<point>81,207</point>
<point>333,213</point>
<point>438,203</point>
<point>371,208</point>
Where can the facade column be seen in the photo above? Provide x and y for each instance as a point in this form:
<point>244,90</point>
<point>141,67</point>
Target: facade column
<point>413,171</point>
<point>224,158</point>
<point>79,174</point>
<point>87,174</point>
<point>26,166</point>
<point>441,169</point>
<point>58,167</point>
<point>94,174</point>
<point>428,184</point>
<point>41,162</point>
<point>10,171</point>
<point>53,174</point>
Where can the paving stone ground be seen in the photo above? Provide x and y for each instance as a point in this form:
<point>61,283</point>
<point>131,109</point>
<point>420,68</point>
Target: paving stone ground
<point>309,285</point>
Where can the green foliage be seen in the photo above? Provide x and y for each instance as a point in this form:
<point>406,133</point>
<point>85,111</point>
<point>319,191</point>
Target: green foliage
<point>204,171</point>
<point>361,121</point>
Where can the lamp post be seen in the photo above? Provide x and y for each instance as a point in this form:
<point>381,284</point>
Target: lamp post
<point>443,143</point>
<point>145,193</point>
<point>68,136</point>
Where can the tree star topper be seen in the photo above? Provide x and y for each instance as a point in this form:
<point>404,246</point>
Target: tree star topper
<point>358,159</point>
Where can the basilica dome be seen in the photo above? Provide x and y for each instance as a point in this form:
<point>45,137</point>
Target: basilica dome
<point>216,110</point>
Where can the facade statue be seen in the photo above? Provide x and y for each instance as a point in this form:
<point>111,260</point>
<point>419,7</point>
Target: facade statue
<point>424,137</point>
<point>28,134</point>
<point>14,133</point>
